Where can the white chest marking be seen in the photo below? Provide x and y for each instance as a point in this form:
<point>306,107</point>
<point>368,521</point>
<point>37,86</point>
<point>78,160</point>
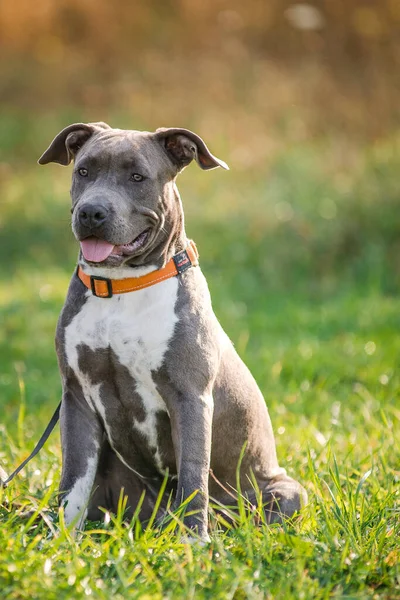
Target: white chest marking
<point>138,327</point>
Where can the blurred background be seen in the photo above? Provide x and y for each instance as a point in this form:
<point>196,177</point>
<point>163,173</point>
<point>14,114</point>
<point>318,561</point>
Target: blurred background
<point>299,241</point>
<point>301,99</point>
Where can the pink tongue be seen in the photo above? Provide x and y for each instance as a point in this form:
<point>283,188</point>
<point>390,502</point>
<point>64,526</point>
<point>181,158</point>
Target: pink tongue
<point>96,250</point>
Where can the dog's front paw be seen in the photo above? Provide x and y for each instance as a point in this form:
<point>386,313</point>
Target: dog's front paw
<point>196,540</point>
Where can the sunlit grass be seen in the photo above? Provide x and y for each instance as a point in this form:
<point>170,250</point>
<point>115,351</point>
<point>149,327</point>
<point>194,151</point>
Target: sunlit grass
<point>302,262</point>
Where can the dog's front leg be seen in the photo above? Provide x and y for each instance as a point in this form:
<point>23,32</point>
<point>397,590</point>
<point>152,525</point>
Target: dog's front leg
<point>191,425</point>
<point>81,435</point>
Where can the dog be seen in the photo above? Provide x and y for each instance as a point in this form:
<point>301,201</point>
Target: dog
<point>153,388</point>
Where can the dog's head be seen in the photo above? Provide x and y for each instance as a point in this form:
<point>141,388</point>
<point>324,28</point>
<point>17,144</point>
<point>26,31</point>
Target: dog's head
<point>125,204</point>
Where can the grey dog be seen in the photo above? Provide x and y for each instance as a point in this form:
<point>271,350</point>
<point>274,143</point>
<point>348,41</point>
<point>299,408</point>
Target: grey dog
<point>152,385</point>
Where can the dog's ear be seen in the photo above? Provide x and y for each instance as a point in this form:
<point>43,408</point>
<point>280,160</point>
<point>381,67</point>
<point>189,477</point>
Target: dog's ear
<point>67,143</point>
<point>182,146</point>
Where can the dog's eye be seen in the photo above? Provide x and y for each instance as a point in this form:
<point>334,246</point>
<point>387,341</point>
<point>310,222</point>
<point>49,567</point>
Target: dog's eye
<point>136,177</point>
<point>83,172</point>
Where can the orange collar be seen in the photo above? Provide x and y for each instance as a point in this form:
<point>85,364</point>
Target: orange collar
<point>106,288</point>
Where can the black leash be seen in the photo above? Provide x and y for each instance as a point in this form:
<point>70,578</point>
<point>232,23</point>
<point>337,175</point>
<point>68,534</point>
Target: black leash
<point>39,446</point>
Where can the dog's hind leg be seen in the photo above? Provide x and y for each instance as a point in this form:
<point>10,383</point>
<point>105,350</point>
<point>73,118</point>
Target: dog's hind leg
<point>281,498</point>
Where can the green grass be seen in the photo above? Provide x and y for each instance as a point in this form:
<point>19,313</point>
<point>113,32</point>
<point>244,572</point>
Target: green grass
<point>302,262</point>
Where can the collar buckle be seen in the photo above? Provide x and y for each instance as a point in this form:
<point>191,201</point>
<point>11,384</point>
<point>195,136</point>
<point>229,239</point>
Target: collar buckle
<point>93,279</point>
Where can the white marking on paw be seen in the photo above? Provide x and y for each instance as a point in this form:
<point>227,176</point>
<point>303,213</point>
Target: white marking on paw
<point>76,501</point>
<point>191,540</point>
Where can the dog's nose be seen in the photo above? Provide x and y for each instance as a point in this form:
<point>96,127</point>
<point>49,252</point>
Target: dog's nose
<point>92,215</point>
